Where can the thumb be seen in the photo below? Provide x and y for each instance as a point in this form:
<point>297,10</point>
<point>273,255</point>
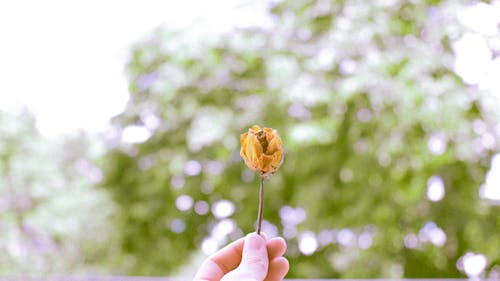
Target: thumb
<point>254,261</point>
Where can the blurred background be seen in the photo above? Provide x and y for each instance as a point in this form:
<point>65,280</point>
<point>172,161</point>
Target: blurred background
<point>120,125</point>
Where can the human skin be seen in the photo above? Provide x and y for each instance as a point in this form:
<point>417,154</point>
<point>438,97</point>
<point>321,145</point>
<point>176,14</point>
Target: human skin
<point>252,258</point>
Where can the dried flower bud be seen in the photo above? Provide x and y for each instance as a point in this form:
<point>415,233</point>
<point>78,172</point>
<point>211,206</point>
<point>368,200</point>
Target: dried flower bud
<point>261,150</point>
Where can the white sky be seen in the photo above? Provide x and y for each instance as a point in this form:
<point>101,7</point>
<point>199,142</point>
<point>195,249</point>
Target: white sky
<point>64,60</point>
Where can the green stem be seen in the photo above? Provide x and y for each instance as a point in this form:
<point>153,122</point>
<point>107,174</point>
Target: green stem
<point>261,205</point>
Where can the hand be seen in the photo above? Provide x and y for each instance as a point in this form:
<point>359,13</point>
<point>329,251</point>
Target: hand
<point>248,259</point>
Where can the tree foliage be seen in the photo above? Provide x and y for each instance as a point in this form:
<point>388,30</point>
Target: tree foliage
<point>52,219</point>
<point>370,113</point>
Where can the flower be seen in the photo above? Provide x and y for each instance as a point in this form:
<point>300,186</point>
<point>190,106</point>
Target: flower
<point>261,150</point>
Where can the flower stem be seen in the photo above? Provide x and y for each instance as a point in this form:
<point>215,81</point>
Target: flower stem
<point>261,205</point>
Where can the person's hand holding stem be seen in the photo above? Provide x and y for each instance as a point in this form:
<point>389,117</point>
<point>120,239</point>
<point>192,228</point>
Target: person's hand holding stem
<point>254,257</point>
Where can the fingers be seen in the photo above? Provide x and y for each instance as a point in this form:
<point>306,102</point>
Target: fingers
<point>228,259</point>
<point>278,268</point>
<point>254,261</point>
<point>276,247</point>
<point>209,271</point>
<point>278,265</point>
<point>255,258</point>
<point>222,262</point>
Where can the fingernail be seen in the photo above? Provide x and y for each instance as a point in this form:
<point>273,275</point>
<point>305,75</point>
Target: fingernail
<point>254,241</point>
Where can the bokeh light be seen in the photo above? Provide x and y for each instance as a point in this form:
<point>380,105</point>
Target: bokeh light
<point>223,209</point>
<point>435,188</point>
<point>308,243</point>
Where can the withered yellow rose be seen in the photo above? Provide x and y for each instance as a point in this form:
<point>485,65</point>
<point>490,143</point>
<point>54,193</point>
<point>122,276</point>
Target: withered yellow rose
<point>261,150</point>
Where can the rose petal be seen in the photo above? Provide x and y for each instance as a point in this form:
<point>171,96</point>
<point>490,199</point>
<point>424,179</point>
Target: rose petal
<point>274,145</point>
<point>265,163</point>
<point>253,148</point>
<point>277,159</point>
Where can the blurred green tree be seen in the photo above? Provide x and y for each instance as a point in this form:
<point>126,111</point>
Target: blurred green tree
<point>52,221</point>
<point>376,126</point>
